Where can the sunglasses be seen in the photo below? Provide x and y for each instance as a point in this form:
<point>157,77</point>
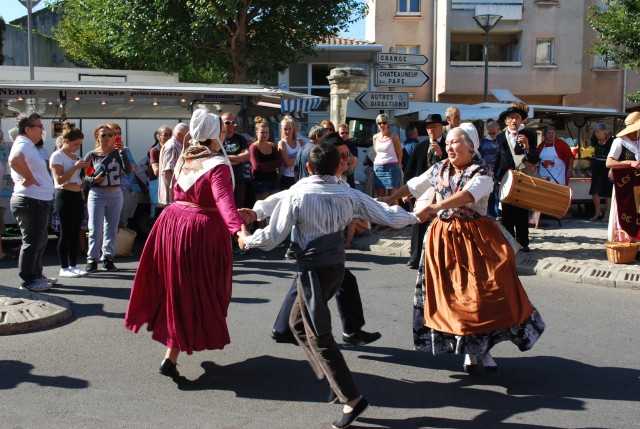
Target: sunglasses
<point>382,123</point>
<point>37,125</point>
<point>165,134</point>
<point>229,122</point>
<point>344,133</point>
<point>345,155</point>
<point>103,135</point>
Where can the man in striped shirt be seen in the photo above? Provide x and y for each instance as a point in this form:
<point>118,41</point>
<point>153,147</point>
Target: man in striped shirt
<point>320,208</point>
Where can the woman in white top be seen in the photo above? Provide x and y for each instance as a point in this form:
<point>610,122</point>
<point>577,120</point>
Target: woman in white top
<point>68,201</point>
<point>288,148</point>
<point>625,152</point>
<point>386,166</point>
<point>468,295</point>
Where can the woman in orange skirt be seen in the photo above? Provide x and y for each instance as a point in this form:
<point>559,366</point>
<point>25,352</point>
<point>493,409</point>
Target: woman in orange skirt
<point>468,295</point>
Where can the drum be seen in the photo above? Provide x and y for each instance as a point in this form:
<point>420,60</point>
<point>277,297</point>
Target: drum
<point>527,192</point>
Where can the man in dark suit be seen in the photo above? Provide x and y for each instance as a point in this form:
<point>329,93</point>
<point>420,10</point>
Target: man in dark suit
<point>423,157</point>
<point>517,146</point>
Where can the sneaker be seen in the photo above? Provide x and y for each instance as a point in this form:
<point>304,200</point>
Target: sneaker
<point>49,280</point>
<point>68,272</point>
<point>108,265</point>
<point>37,286</point>
<point>289,254</point>
<point>78,271</point>
<point>92,267</point>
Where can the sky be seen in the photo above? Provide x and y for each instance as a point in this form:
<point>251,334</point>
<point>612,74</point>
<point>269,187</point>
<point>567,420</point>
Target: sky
<point>12,9</point>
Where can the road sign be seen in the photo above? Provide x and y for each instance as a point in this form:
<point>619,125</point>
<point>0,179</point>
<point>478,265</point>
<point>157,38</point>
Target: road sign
<point>383,100</point>
<point>400,77</point>
<point>407,59</point>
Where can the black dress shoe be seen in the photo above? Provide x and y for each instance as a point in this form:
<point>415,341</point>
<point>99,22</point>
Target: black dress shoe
<point>525,249</point>
<point>286,338</point>
<point>360,338</point>
<point>348,418</point>
<point>412,265</point>
<point>169,369</point>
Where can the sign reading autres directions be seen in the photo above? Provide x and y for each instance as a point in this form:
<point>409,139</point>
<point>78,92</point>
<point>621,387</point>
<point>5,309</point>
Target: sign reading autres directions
<point>383,100</point>
<point>400,77</point>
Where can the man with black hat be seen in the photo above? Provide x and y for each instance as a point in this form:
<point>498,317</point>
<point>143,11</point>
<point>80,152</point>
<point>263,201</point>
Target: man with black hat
<point>517,147</point>
<point>423,157</point>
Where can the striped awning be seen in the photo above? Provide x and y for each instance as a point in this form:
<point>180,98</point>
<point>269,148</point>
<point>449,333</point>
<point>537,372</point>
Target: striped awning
<point>300,104</point>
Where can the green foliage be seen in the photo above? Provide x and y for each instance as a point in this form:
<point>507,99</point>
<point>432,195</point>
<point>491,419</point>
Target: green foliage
<point>237,41</point>
<point>617,27</point>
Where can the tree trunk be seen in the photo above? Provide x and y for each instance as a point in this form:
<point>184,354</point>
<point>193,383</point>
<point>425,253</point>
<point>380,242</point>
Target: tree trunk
<point>239,50</point>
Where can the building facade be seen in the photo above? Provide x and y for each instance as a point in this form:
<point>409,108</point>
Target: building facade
<point>538,50</point>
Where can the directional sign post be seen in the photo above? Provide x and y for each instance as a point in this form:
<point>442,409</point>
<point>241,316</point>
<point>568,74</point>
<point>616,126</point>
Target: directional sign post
<point>383,100</point>
<point>400,77</point>
<point>405,59</point>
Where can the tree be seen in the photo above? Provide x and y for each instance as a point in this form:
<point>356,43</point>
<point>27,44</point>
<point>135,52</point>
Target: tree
<point>236,41</point>
<point>617,26</point>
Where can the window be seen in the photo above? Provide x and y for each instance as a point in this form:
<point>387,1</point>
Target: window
<point>545,52</point>
<point>406,7</point>
<point>470,48</point>
<point>603,62</point>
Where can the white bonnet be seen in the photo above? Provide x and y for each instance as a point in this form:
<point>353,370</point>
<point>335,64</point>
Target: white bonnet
<point>472,132</point>
<point>204,126</point>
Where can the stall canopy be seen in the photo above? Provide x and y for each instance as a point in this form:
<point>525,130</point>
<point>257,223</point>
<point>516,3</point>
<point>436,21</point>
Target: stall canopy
<point>139,100</point>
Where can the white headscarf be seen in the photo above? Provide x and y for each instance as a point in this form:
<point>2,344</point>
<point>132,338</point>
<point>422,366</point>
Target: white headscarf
<point>472,132</point>
<point>204,126</point>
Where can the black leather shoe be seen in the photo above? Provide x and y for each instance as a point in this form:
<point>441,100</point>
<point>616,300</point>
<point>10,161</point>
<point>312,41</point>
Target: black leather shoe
<point>412,265</point>
<point>525,249</point>
<point>286,338</point>
<point>348,418</point>
<point>361,337</point>
<point>169,369</point>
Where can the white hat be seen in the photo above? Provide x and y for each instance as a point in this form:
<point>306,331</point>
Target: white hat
<point>204,126</point>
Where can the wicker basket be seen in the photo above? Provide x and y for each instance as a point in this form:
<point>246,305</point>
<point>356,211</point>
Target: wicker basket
<point>621,252</point>
<point>124,242</point>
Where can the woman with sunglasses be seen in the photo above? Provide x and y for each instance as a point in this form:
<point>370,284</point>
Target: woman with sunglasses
<point>386,165</point>
<point>107,163</point>
<point>288,148</point>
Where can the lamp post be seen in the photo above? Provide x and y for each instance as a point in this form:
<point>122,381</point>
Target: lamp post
<point>30,4</point>
<point>486,22</point>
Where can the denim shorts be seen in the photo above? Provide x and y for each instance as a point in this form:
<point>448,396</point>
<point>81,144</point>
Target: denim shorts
<point>261,187</point>
<point>387,176</point>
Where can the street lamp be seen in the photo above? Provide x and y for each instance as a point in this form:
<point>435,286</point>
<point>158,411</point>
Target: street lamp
<point>29,4</point>
<point>486,22</point>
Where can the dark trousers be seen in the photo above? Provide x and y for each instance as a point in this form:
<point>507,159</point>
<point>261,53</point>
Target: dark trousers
<point>70,208</point>
<point>347,299</point>
<point>33,219</point>
<point>321,349</point>
<point>417,240</point>
<point>516,222</point>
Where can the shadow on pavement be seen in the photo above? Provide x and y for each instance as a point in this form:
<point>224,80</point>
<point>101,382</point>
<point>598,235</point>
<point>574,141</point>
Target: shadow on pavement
<point>15,372</point>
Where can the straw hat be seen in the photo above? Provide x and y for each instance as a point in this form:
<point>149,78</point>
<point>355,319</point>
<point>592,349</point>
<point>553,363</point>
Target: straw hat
<point>633,124</point>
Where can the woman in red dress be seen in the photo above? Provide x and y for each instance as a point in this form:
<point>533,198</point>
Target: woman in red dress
<point>182,288</point>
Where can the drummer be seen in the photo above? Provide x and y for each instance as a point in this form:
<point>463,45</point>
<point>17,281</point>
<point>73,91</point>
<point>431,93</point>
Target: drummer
<point>517,150</point>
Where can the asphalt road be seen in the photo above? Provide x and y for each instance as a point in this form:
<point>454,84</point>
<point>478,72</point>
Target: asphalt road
<point>91,372</point>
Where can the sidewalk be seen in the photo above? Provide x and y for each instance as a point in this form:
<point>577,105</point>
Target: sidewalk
<point>572,252</point>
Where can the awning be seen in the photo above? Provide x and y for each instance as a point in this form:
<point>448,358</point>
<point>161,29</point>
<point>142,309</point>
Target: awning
<point>300,104</point>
